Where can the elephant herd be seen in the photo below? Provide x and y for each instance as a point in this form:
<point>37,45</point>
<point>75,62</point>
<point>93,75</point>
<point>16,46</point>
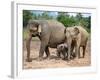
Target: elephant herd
<point>53,34</point>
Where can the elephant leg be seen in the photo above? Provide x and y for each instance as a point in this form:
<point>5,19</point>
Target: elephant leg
<point>69,53</point>
<point>58,54</point>
<point>28,47</point>
<point>72,53</point>
<point>42,49</point>
<point>68,50</point>
<point>77,48</point>
<point>77,52</point>
<point>64,55</point>
<point>84,48</point>
<point>47,52</point>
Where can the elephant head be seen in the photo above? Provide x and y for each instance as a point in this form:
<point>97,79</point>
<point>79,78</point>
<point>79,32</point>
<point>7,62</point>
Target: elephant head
<point>75,33</point>
<point>72,32</point>
<point>34,28</point>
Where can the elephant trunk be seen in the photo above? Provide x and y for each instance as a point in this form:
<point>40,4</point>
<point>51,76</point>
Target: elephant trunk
<point>28,46</point>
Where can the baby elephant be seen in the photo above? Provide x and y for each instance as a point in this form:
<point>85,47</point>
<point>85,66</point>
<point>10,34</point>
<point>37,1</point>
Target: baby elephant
<point>62,50</point>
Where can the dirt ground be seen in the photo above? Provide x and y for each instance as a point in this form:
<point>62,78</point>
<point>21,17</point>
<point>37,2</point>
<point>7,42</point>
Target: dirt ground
<point>54,61</point>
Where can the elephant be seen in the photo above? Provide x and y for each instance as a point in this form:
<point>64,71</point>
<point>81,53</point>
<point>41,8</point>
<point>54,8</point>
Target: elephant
<point>76,37</point>
<point>62,49</point>
<point>50,32</point>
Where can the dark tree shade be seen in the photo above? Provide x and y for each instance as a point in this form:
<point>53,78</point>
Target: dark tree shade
<point>67,20</point>
<point>27,14</point>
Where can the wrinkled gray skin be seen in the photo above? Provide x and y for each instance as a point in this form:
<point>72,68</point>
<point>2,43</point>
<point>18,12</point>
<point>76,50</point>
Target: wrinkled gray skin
<point>62,49</point>
<point>76,37</point>
<point>50,32</point>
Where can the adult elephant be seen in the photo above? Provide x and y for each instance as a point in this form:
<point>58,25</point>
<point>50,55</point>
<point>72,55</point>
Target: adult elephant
<point>77,37</point>
<point>50,32</point>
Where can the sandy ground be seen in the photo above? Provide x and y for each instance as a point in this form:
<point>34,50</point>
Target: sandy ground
<point>54,61</point>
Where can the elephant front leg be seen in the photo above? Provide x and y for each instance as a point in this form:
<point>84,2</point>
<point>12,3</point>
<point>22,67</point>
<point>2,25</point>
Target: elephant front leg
<point>28,47</point>
<point>77,48</point>
<point>72,52</point>
<point>69,53</point>
<point>68,42</point>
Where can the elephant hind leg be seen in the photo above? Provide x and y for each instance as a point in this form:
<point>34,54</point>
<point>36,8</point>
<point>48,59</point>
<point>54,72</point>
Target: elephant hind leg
<point>84,48</point>
<point>42,49</point>
<point>47,52</point>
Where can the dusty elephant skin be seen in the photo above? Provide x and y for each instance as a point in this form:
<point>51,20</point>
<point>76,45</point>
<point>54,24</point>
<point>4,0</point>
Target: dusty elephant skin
<point>77,37</point>
<point>50,32</point>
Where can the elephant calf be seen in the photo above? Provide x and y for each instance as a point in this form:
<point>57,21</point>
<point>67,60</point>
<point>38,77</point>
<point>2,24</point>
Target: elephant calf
<point>62,49</point>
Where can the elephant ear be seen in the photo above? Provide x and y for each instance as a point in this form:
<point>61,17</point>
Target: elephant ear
<point>39,29</point>
<point>76,31</point>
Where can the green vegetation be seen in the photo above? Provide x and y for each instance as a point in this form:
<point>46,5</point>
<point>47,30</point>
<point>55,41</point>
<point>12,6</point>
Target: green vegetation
<point>63,17</point>
<point>26,16</point>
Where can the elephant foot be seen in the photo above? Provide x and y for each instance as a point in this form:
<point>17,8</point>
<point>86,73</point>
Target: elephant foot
<point>83,57</point>
<point>74,55</point>
<point>71,57</point>
<point>77,58</point>
<point>66,59</point>
<point>29,59</point>
<point>48,58</point>
<point>39,59</point>
<point>80,57</point>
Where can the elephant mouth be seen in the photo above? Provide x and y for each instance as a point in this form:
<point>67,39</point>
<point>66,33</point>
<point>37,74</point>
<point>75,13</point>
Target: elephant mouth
<point>33,35</point>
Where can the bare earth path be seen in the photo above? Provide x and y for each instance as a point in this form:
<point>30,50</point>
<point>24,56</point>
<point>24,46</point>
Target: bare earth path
<point>53,62</point>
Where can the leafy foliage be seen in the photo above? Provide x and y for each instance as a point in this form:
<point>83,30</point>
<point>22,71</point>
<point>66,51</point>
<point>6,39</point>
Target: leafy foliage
<point>27,15</point>
<point>63,17</point>
<point>66,19</point>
